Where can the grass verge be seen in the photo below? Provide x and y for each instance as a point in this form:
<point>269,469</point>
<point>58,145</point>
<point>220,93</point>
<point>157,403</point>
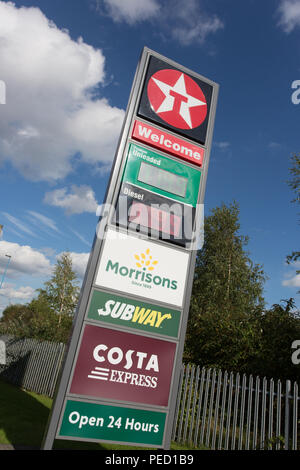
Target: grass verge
<point>24,416</point>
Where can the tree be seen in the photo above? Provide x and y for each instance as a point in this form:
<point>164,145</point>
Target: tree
<point>279,327</point>
<point>294,184</point>
<point>227,296</point>
<point>49,316</point>
<point>15,318</point>
<point>61,291</point>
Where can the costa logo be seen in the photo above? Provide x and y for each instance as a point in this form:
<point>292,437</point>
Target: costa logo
<point>177,99</point>
<point>127,359</point>
<point>123,366</point>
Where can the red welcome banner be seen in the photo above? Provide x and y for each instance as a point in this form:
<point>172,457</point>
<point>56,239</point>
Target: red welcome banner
<point>168,143</point>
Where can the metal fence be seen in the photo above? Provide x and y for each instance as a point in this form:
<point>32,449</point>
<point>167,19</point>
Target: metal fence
<point>215,409</point>
<point>226,411</point>
<point>31,364</point>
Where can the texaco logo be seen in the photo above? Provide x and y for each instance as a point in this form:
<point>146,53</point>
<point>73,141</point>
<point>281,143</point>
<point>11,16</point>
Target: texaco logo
<point>177,99</point>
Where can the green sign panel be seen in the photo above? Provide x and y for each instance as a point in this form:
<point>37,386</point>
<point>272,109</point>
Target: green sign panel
<point>162,175</point>
<point>117,310</point>
<point>93,421</point>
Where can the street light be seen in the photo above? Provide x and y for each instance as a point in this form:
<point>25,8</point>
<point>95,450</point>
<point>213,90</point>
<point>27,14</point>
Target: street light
<point>8,261</point>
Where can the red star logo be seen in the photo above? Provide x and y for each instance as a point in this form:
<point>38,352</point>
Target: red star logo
<point>177,99</point>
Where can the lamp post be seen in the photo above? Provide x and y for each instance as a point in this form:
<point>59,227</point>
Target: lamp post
<point>8,261</point>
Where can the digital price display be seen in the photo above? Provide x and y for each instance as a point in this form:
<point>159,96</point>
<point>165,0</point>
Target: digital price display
<point>158,195</point>
<point>162,179</point>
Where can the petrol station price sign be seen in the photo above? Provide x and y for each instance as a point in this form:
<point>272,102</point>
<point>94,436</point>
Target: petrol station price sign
<point>121,373</point>
<point>158,195</point>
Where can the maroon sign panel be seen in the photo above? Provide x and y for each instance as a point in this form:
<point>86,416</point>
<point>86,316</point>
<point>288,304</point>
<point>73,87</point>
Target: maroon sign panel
<point>123,366</point>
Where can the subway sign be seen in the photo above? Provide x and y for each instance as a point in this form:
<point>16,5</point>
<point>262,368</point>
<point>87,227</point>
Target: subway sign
<point>121,374</point>
<point>112,309</point>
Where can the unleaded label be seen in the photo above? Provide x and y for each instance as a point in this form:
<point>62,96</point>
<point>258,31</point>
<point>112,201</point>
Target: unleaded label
<point>117,310</point>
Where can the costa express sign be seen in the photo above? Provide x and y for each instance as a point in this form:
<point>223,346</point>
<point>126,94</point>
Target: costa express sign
<point>176,100</point>
<point>121,366</point>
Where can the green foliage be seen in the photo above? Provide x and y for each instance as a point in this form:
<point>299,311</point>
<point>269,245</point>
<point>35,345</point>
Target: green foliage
<point>61,292</point>
<point>227,294</point>
<point>294,182</point>
<point>49,316</point>
<point>229,326</point>
<point>279,326</point>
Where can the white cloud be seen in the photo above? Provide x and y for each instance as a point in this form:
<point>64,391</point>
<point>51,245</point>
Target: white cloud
<point>185,22</point>
<point>222,145</point>
<point>130,11</point>
<point>289,13</point>
<point>50,114</point>
<point>23,293</point>
<point>24,260</point>
<point>293,282</point>
<point>192,24</point>
<point>39,219</point>
<point>81,237</point>
<point>19,224</point>
<point>78,200</point>
<point>274,145</point>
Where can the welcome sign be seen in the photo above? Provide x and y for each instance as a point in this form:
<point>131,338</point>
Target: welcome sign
<point>167,142</point>
<point>144,268</point>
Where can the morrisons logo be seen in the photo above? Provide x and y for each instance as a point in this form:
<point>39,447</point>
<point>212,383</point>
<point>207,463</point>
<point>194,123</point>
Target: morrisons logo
<point>141,275</point>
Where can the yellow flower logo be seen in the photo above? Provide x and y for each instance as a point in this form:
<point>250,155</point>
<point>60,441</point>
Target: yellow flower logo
<point>145,260</point>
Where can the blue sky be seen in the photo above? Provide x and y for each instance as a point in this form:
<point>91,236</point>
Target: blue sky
<point>68,67</point>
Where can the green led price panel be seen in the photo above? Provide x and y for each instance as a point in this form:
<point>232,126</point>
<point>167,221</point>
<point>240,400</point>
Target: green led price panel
<point>158,195</point>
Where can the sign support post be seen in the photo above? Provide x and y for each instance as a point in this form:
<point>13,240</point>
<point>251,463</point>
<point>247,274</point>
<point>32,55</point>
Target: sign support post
<point>121,372</point>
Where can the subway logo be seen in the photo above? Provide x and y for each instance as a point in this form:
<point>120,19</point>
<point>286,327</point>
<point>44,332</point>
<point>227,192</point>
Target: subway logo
<point>114,309</point>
